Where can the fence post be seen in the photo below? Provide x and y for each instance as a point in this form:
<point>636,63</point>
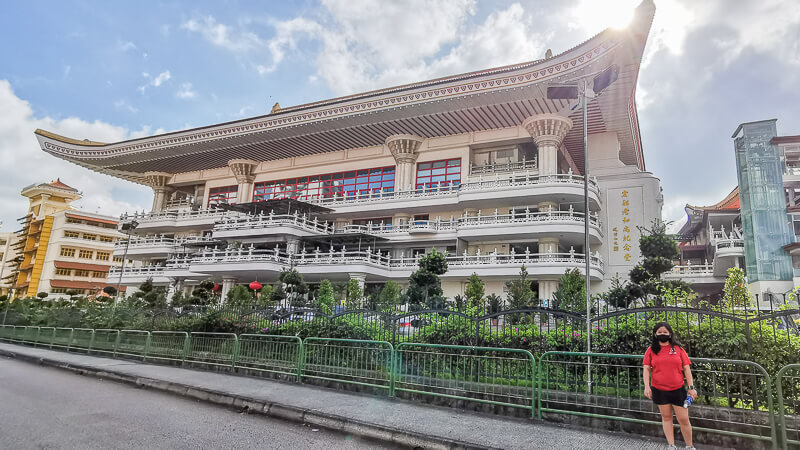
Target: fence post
<point>301,360</point>
<point>71,336</point>
<point>116,344</point>
<point>781,411</point>
<point>147,343</point>
<point>748,336</point>
<point>235,351</point>
<point>91,342</point>
<point>392,370</point>
<point>186,348</point>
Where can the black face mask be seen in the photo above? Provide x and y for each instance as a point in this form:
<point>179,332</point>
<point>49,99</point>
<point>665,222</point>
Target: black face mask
<point>663,337</point>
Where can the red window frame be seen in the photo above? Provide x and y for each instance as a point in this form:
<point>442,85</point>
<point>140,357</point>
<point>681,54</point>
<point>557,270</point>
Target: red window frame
<point>342,184</point>
<point>223,194</point>
<point>440,172</point>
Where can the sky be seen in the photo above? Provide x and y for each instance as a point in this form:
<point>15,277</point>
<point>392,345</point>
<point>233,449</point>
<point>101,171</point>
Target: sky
<point>109,71</point>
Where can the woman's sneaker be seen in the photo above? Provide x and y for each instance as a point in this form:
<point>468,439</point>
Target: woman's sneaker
<point>672,447</point>
<point>690,447</point>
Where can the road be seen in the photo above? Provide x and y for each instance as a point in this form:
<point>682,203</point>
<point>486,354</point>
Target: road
<point>42,407</point>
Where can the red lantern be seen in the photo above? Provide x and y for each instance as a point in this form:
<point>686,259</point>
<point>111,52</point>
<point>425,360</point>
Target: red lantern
<point>216,287</point>
<point>255,285</point>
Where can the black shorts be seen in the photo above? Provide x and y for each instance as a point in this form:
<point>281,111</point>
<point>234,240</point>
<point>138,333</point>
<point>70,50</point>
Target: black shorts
<point>676,397</point>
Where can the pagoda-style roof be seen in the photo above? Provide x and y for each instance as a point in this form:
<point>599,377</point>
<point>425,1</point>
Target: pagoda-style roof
<point>56,187</point>
<point>697,215</point>
<point>487,99</point>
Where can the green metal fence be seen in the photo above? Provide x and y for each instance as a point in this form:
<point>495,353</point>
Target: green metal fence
<point>362,362</point>
<point>7,333</point>
<point>787,383</point>
<point>167,345</point>
<point>62,338</point>
<point>132,343</point>
<point>19,333</point>
<point>105,341</point>
<point>82,339</point>
<point>498,376</point>
<point>218,349</point>
<point>270,354</point>
<point>45,336</point>
<point>29,335</point>
<point>735,396</point>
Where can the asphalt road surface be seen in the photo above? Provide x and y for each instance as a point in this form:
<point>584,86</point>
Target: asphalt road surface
<point>42,407</point>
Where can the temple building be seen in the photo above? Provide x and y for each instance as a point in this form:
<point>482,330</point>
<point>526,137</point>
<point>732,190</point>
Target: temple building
<point>482,165</point>
<point>756,227</point>
<point>63,250</point>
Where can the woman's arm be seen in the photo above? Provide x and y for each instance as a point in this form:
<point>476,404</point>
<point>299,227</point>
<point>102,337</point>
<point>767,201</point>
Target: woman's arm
<point>646,375</point>
<point>687,372</point>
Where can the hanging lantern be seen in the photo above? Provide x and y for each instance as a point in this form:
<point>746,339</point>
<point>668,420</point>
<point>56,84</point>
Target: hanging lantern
<point>216,287</point>
<point>255,286</point>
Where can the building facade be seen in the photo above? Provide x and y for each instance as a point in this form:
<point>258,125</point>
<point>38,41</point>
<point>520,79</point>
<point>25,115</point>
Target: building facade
<point>481,165</point>
<point>8,256</point>
<point>757,226</point>
<point>63,250</point>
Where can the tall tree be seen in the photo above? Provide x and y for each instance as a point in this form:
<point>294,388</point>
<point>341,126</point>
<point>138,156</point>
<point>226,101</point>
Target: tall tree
<point>475,290</point>
<point>571,292</point>
<point>424,285</point>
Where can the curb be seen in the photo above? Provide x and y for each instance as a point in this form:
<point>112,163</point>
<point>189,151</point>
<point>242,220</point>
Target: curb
<point>290,413</point>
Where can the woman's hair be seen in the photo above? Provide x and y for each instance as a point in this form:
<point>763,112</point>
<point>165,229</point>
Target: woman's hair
<point>655,345</point>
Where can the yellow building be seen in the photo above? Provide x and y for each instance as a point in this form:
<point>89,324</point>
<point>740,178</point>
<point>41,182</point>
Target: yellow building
<point>62,249</point>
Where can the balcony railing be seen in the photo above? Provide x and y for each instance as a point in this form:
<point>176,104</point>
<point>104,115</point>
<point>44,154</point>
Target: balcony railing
<point>177,216</point>
<point>160,241</point>
<point>344,256</point>
<point>153,270</point>
<point>465,221</point>
<point>453,189</point>
<point>729,243</point>
<point>262,221</point>
<point>519,166</point>
<point>691,270</point>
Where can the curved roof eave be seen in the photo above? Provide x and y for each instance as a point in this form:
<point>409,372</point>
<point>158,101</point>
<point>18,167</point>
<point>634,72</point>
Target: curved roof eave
<point>577,60</point>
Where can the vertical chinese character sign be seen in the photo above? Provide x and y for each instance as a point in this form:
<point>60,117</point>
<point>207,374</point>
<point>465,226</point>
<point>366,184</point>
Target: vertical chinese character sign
<point>625,215</point>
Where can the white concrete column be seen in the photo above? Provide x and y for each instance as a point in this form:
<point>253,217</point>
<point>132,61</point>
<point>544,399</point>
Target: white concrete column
<point>227,284</point>
<point>360,277</point>
<point>404,148</point>
<point>293,246</point>
<point>401,219</point>
<point>548,132</point>
<point>339,223</point>
<point>546,290</point>
<point>158,182</point>
<point>244,171</point>
<point>547,206</point>
<point>548,245</point>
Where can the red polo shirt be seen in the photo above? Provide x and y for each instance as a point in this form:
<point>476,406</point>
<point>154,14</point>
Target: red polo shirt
<point>667,367</point>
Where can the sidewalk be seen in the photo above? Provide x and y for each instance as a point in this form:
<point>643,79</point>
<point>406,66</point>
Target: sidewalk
<point>385,419</point>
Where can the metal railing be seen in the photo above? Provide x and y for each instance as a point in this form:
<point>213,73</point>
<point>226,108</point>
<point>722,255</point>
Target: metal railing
<point>736,397</point>
<point>497,376</point>
<point>787,383</point>
<point>262,221</point>
<point>517,166</point>
<point>366,363</point>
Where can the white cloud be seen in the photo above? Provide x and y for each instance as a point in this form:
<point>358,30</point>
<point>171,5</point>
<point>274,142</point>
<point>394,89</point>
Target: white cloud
<point>124,105</point>
<point>24,163</point>
<point>155,82</point>
<point>286,36</point>
<point>186,91</point>
<point>67,70</point>
<point>125,46</point>
<point>223,35</point>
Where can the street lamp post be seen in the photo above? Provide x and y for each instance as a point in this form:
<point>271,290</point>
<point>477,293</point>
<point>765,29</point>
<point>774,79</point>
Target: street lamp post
<point>570,91</point>
<point>131,226</point>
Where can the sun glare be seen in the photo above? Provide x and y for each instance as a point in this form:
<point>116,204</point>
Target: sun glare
<point>597,15</point>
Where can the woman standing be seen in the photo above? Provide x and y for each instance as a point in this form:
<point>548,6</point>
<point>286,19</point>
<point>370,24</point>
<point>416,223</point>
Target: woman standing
<point>665,366</point>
